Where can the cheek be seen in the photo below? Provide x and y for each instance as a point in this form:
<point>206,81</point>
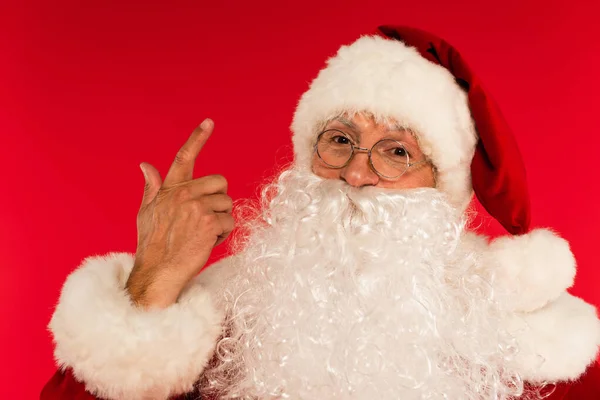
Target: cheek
<point>421,178</point>
<point>322,170</point>
<point>426,176</point>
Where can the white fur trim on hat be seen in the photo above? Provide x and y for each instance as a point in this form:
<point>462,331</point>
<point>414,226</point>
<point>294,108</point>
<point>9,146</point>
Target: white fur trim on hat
<point>391,80</point>
<point>557,342</point>
<point>123,352</point>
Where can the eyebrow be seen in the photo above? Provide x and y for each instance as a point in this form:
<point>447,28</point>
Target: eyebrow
<point>347,123</point>
<point>403,130</point>
<point>352,126</point>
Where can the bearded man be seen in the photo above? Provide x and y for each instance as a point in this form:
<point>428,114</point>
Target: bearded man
<point>356,277</point>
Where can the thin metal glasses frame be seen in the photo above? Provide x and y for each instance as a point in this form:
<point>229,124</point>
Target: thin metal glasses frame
<point>356,148</point>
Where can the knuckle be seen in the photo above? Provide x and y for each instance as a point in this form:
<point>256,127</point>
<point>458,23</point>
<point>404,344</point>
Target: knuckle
<point>182,157</point>
<point>183,193</point>
<point>195,208</point>
<point>211,223</point>
<point>219,180</point>
<point>208,219</point>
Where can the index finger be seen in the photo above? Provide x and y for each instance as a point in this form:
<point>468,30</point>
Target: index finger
<point>182,168</point>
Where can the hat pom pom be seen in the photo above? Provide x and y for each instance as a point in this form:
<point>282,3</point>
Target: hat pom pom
<point>536,267</point>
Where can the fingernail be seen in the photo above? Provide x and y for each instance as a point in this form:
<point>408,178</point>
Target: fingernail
<point>206,123</point>
<point>143,171</point>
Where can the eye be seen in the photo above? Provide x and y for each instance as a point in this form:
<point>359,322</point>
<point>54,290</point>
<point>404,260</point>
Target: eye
<point>399,152</point>
<point>391,152</point>
<point>339,139</point>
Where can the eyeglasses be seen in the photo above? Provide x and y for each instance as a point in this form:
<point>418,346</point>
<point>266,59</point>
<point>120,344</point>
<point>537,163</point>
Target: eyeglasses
<point>388,158</point>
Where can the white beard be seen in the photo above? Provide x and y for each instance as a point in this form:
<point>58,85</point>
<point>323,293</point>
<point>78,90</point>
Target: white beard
<point>345,293</point>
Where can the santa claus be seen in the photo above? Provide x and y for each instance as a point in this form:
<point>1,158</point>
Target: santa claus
<point>356,277</point>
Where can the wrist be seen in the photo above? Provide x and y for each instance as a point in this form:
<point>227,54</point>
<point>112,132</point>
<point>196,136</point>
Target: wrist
<point>146,290</point>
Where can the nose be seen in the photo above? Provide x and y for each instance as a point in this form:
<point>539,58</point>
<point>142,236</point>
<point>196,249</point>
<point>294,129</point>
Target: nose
<point>358,172</point>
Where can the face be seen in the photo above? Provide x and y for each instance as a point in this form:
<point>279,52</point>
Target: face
<point>364,131</point>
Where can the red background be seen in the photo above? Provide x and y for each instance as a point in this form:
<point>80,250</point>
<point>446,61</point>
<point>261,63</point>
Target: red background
<point>90,89</point>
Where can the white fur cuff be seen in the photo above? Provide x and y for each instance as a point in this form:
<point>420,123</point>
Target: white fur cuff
<point>122,352</point>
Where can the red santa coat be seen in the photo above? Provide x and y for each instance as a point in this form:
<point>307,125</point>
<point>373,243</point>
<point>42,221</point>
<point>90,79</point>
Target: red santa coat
<point>63,386</point>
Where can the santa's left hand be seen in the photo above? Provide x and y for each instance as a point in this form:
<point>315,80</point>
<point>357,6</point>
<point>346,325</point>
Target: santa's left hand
<point>532,269</point>
<point>558,342</point>
<point>557,334</point>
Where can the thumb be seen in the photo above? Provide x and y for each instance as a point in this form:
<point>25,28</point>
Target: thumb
<point>153,182</point>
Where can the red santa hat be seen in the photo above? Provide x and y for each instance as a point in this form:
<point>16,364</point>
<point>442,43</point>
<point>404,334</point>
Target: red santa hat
<point>424,83</point>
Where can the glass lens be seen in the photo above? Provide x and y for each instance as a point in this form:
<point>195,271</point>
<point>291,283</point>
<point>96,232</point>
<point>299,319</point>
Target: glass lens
<point>334,148</point>
<point>389,158</point>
